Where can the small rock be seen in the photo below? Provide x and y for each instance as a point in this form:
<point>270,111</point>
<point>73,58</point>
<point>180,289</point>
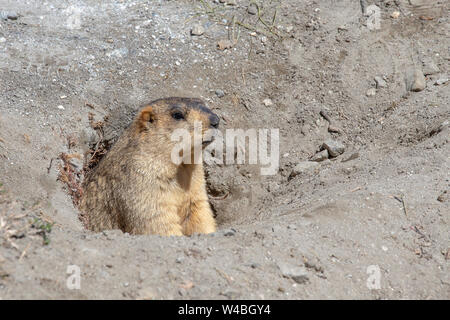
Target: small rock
<point>268,102</point>
<point>197,30</point>
<point>334,129</point>
<point>229,232</point>
<point>380,83</point>
<point>303,167</point>
<point>60,107</point>
<point>220,93</point>
<point>395,14</point>
<point>443,197</point>
<point>179,259</point>
<point>415,80</point>
<point>371,92</point>
<point>2,39</point>
<point>334,147</point>
<point>313,263</point>
<point>289,29</point>
<point>320,156</point>
<point>231,2</point>
<point>298,274</point>
<point>252,9</point>
<point>224,44</point>
<point>11,15</point>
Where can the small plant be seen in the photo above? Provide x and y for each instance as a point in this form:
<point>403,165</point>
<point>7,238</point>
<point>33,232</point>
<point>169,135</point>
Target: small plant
<point>44,229</point>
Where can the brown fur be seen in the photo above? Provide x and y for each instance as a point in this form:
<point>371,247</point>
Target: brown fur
<point>137,188</point>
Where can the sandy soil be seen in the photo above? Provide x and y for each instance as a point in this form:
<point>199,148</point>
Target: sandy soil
<point>329,229</point>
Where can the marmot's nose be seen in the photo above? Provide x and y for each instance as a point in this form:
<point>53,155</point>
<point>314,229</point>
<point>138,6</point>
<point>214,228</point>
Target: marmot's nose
<point>214,121</point>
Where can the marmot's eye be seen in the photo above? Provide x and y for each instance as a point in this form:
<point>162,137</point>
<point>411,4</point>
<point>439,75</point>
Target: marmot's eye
<point>177,115</point>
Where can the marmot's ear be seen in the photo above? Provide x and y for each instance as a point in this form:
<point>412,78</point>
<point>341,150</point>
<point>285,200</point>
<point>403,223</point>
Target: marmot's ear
<point>146,118</point>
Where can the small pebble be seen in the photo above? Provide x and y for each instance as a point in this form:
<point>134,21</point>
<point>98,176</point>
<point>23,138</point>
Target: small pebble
<point>415,80</point>
<point>320,156</point>
<point>197,30</point>
<point>267,102</point>
<point>395,14</point>
<point>220,93</point>
<point>252,9</point>
<point>380,83</point>
<point>334,147</point>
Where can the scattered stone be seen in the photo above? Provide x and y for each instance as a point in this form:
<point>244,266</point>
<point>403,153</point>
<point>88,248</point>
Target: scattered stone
<point>303,167</point>
<point>332,128</point>
<point>220,93</point>
<point>224,44</point>
<point>2,39</point>
<point>268,102</point>
<point>380,82</point>
<point>179,260</point>
<point>335,148</point>
<point>320,156</point>
<point>11,15</point>
<point>415,80</point>
<point>298,274</point>
<point>229,233</point>
<point>395,14</point>
<point>197,30</point>
<point>371,92</point>
<point>252,9</point>
<point>443,197</point>
<point>313,263</point>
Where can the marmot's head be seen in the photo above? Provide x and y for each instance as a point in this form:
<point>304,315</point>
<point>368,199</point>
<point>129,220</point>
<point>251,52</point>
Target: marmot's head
<point>164,119</point>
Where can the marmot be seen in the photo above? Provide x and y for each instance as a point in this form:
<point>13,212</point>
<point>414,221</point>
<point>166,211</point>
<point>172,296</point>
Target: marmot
<point>137,187</point>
